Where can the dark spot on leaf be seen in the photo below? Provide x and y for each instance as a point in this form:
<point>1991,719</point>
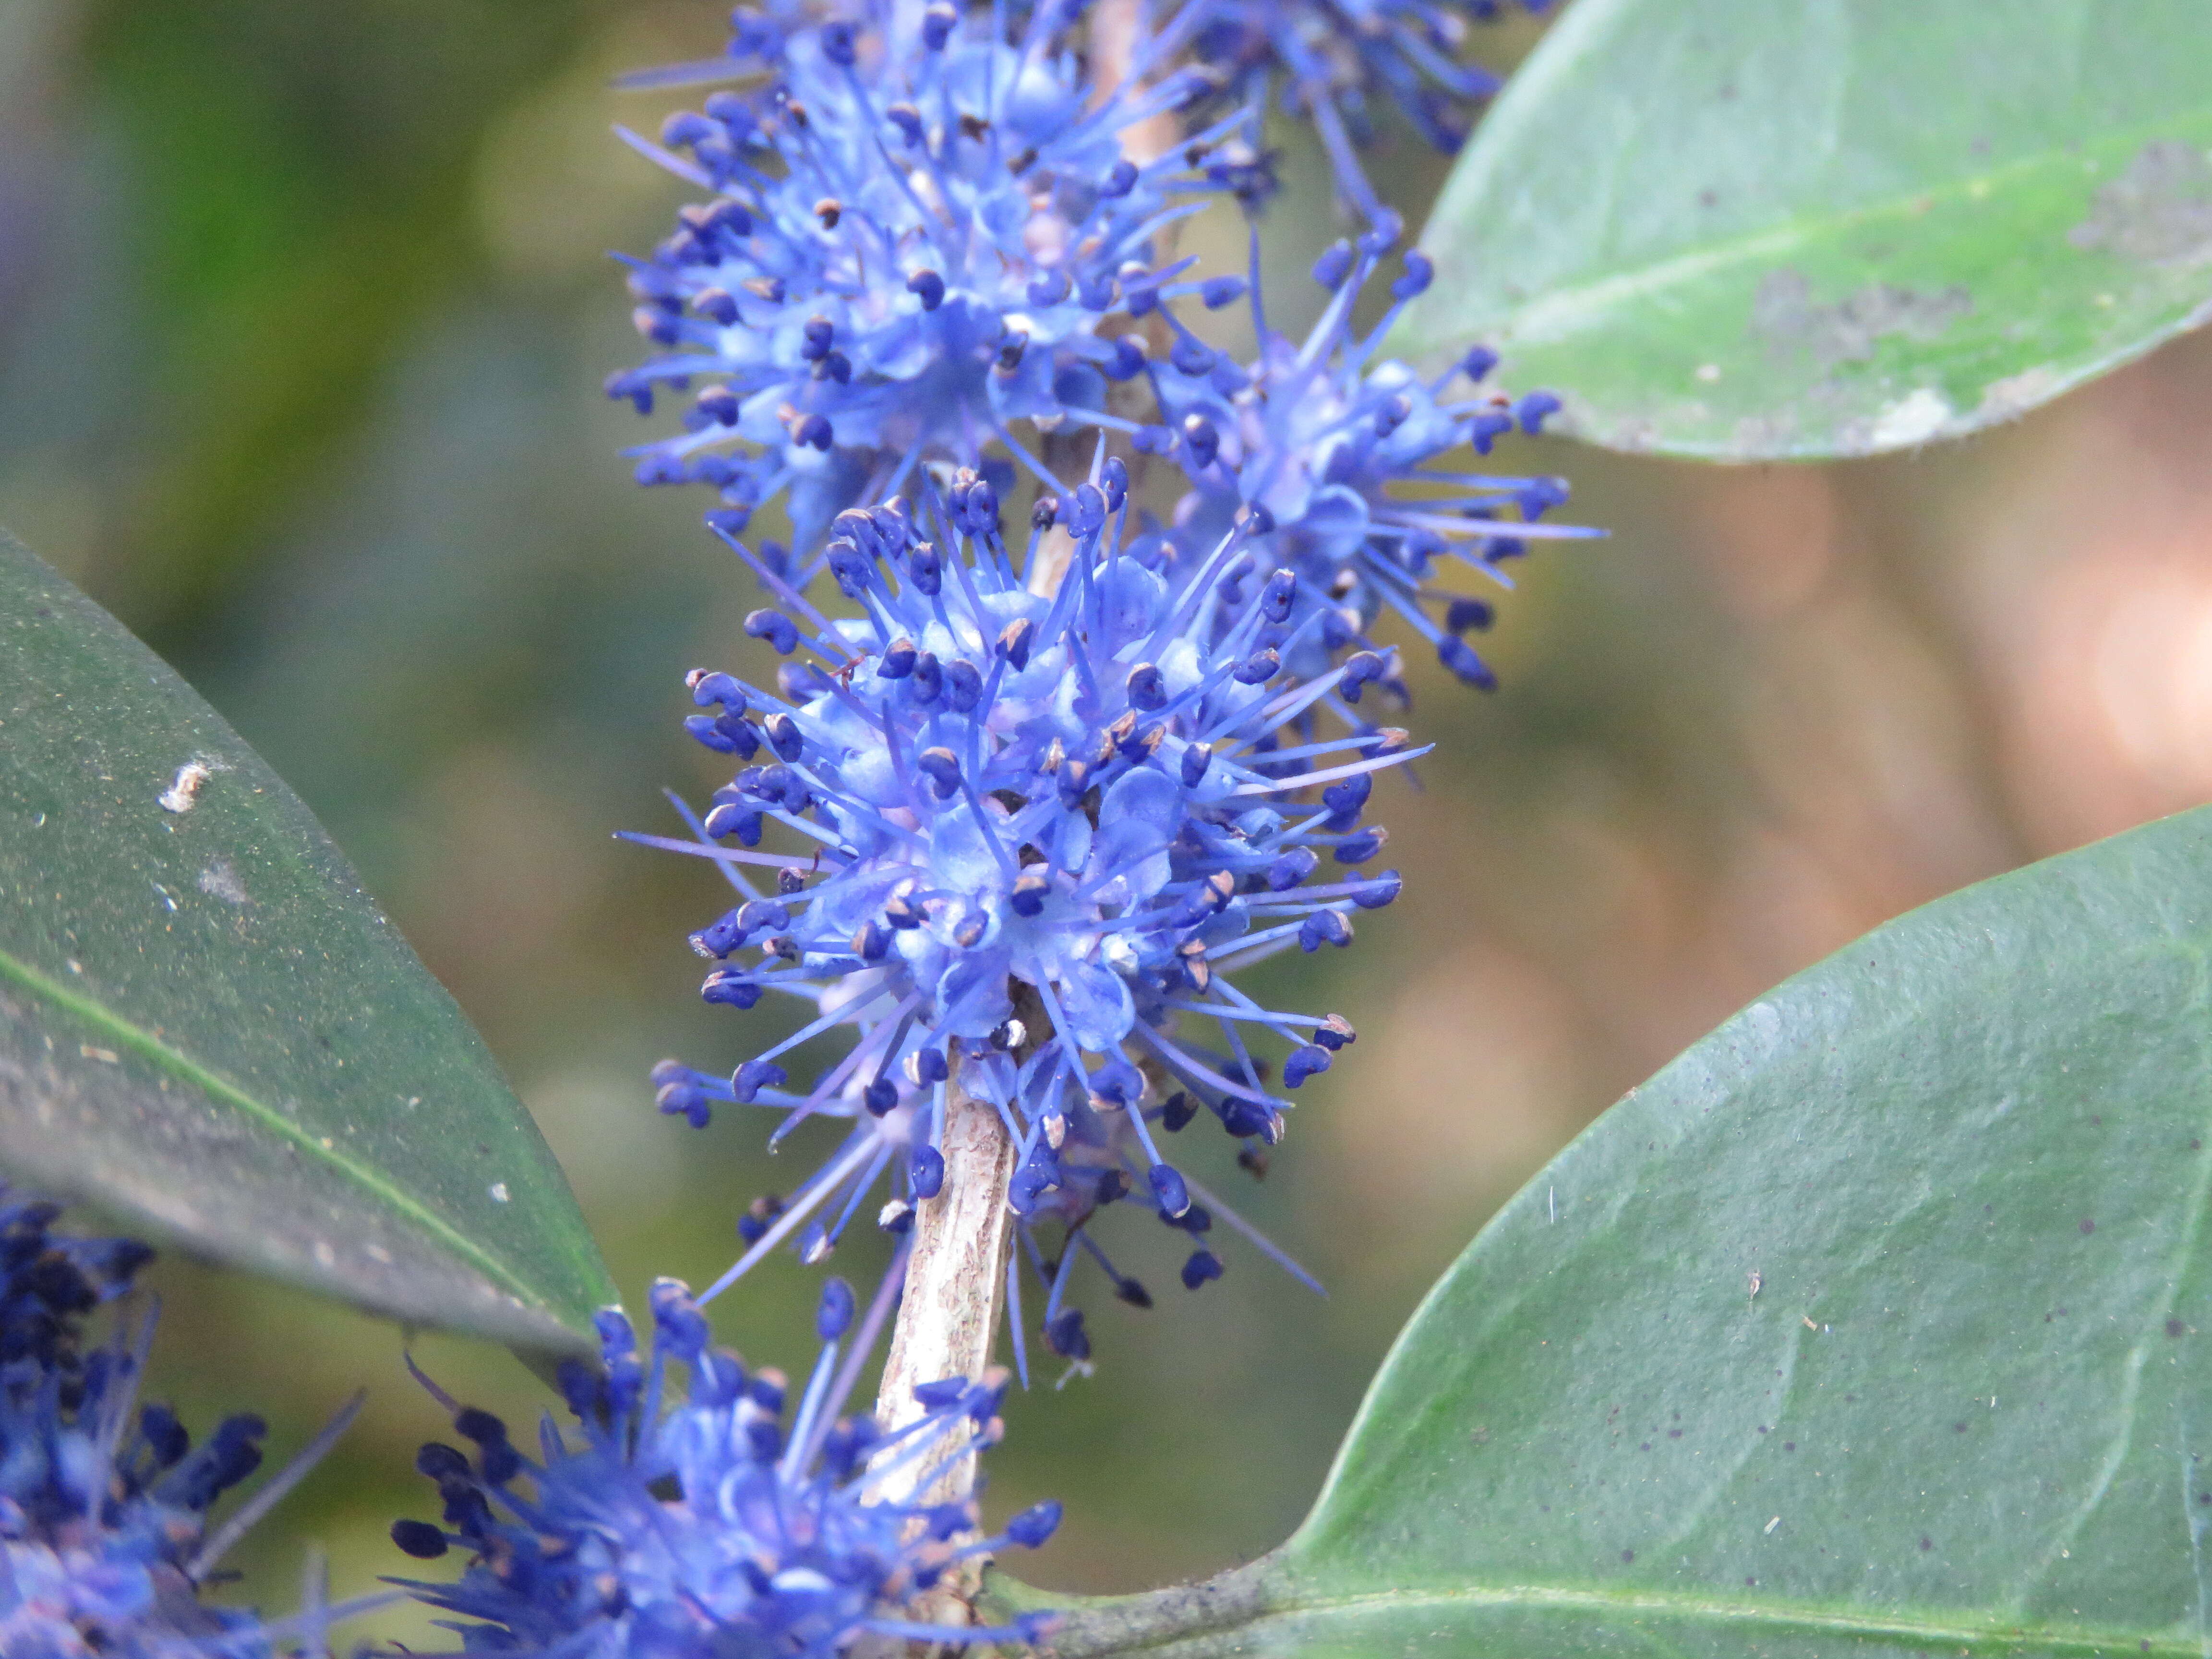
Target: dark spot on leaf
<point>1762,1428</point>
<point>1706,198</point>
<point>2098,1122</point>
<point>1628,1555</point>
<point>2175,1327</point>
<point>1926,1543</point>
<point>1673,1434</point>
<point>1847,331</point>
<point>2088,1225</point>
<point>1790,1445</point>
<point>1646,1446</point>
<point>1751,1583</point>
<point>2158,212</point>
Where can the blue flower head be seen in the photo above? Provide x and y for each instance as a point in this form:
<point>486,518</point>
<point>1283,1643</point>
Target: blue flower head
<point>1343,469</point>
<point>712,1522</point>
<point>104,1503</point>
<point>1031,837</point>
<point>1331,60</point>
<point>914,231</point>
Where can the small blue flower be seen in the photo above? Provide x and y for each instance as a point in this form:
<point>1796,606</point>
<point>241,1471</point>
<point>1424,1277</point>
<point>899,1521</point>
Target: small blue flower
<point>1333,59</point>
<point>104,1504</point>
<point>1342,467</point>
<point>707,1524</point>
<point>914,232</point>
<point>1032,838</point>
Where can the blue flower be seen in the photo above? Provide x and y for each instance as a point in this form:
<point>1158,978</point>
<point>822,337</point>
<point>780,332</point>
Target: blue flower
<point>704,1525</point>
<point>1342,468</point>
<point>1032,838</point>
<point>1331,58</point>
<point>915,231</point>
<point>104,1504</point>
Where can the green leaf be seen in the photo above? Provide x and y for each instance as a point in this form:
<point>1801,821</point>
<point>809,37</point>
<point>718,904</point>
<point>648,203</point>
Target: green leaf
<point>1746,230</point>
<point>1877,1322</point>
<point>206,1025</point>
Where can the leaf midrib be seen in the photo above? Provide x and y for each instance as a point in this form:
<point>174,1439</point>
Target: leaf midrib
<point>151,1048</point>
<point>1558,313</point>
<point>1784,1614</point>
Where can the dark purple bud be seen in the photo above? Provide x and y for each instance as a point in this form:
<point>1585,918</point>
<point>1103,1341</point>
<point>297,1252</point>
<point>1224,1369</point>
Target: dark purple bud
<point>1028,897</point>
<point>1477,362</point>
<point>755,1075</point>
<point>1014,643</point>
<point>1463,615</point>
<point>423,1540</point>
<point>1324,927</point>
<point>1374,894</point>
<point>928,678</point>
<point>937,26</point>
<point>784,736</point>
<point>942,768</point>
<point>1460,657</point>
<point>1304,1062</point>
<point>834,1318</point>
<point>1357,849</point>
<point>929,286</point>
<point>1050,287</point>
<point>1258,668</point>
<point>1147,687</point>
<point>1202,1266</point>
<point>1292,868</point>
<point>1169,1191</point>
<point>1120,179</point>
<point>1276,597</point>
<point>897,660</point>
<point>1066,1336</point>
<point>1334,266</point>
<point>1531,410</point>
<point>778,629</point>
<point>1202,441</point>
<point>1195,760</point>
<point>1034,1525</point>
<point>1190,355</point>
<point>907,119</point>
<point>1419,273</point>
<point>926,1165</point>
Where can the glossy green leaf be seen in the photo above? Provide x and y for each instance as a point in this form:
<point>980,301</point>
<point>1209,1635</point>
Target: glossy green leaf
<point>1878,1323</point>
<point>206,1025</point>
<point>1746,230</point>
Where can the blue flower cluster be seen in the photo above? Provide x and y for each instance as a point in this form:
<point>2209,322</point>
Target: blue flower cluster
<point>1333,59</point>
<point>103,1503</point>
<point>1031,837</point>
<point>917,227</point>
<point>707,1526</point>
<point>1339,463</point>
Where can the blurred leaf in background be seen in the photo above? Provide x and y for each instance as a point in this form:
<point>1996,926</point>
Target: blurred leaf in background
<point>1746,231</point>
<point>1778,706</point>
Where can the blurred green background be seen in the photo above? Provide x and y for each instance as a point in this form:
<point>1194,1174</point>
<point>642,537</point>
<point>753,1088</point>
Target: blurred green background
<point>304,306</point>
